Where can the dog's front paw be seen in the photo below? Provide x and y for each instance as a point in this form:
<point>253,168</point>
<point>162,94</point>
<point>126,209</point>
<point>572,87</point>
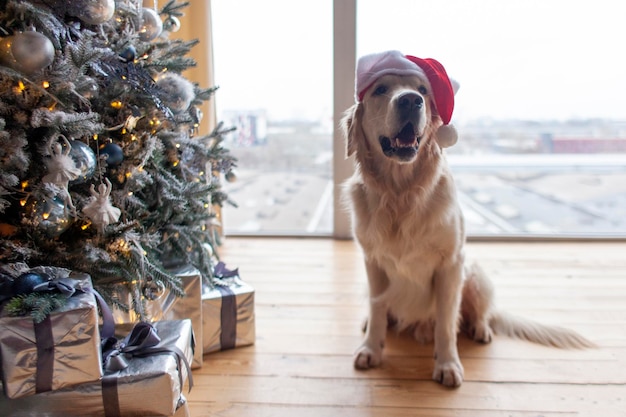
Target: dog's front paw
<point>448,373</point>
<point>366,357</point>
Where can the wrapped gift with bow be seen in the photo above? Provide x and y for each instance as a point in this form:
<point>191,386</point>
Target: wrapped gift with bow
<point>145,373</point>
<point>160,303</point>
<point>227,311</point>
<point>57,349</point>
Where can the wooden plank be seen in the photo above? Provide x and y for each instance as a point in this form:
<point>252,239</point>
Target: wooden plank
<point>211,409</point>
<point>413,367</point>
<point>592,400</point>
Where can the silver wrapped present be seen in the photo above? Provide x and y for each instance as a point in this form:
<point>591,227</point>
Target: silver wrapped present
<point>227,314</point>
<point>149,386</point>
<point>163,304</point>
<point>61,351</point>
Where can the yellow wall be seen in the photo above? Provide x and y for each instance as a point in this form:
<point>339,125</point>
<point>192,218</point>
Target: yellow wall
<point>196,24</point>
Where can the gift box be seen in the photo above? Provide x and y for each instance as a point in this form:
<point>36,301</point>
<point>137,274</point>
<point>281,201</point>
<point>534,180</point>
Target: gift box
<point>149,386</point>
<point>227,312</point>
<point>61,351</point>
<point>163,304</point>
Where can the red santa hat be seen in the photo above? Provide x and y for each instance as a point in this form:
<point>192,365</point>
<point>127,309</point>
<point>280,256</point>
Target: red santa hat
<point>442,88</point>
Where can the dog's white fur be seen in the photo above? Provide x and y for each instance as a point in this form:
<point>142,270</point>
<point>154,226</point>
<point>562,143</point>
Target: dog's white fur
<point>407,219</point>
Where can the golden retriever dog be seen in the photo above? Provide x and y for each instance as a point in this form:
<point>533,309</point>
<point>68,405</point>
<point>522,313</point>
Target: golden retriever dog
<point>407,219</point>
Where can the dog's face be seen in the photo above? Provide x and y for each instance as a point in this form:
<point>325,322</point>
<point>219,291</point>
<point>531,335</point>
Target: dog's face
<point>395,117</point>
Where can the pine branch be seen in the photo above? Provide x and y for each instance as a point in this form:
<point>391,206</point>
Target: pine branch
<point>38,305</point>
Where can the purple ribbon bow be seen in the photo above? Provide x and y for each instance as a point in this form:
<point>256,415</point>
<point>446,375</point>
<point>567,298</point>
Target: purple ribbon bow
<point>221,271</point>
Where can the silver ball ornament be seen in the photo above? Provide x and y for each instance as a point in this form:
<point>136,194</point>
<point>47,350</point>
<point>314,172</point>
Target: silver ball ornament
<point>27,52</point>
<point>153,290</point>
<point>92,12</point>
<point>151,26</point>
<point>230,176</point>
<point>84,159</point>
<point>179,92</point>
<point>48,215</point>
<point>171,24</point>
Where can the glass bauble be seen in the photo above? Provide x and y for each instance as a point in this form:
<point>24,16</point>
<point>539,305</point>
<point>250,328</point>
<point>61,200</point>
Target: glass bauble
<point>27,52</point>
<point>92,12</point>
<point>114,154</point>
<point>85,160</point>
<point>151,26</point>
<point>48,215</point>
<point>171,24</point>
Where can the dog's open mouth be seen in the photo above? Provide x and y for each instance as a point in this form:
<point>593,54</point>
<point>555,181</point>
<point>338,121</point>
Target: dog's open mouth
<point>404,145</point>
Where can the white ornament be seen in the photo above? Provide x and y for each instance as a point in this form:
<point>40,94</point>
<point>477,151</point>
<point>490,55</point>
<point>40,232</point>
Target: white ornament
<point>61,166</point>
<point>179,91</point>
<point>100,210</point>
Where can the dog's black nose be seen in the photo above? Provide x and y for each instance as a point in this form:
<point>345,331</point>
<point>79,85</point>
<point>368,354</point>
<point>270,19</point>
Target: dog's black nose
<point>410,101</point>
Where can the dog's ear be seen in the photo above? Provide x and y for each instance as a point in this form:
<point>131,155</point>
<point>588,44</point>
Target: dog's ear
<point>350,125</point>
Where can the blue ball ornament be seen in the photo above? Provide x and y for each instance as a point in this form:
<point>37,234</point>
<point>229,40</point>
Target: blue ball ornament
<point>114,154</point>
<point>26,282</point>
<point>129,53</point>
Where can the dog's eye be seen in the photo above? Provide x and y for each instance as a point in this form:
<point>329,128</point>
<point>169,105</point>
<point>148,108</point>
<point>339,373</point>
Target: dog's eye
<point>380,90</point>
<point>422,89</point>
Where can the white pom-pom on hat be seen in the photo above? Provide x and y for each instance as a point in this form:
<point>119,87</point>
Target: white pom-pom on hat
<point>373,66</point>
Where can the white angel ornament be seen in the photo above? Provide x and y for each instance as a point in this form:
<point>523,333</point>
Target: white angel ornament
<point>100,210</point>
<point>61,167</point>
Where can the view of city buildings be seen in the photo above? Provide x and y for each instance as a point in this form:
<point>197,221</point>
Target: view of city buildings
<point>513,177</point>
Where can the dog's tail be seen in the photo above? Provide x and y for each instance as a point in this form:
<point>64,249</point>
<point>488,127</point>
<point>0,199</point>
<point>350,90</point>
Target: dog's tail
<point>509,325</point>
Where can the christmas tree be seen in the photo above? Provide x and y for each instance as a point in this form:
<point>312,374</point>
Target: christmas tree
<point>102,169</point>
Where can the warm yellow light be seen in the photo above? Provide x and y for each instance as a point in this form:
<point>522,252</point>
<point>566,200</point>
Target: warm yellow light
<point>116,104</point>
<point>123,131</point>
<point>85,226</point>
<point>23,202</point>
<point>20,86</point>
<point>177,145</point>
<point>130,193</point>
<point>175,163</point>
<point>95,136</point>
<point>206,205</point>
<point>45,216</point>
<point>128,174</point>
<point>45,84</point>
<point>24,184</point>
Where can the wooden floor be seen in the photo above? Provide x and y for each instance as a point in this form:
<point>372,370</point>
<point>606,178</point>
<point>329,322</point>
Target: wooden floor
<point>310,304</point>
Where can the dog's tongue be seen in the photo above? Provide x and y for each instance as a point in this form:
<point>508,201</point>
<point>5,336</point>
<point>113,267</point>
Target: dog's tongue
<point>407,135</point>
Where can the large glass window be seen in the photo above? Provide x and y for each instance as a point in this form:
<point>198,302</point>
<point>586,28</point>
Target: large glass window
<point>273,63</point>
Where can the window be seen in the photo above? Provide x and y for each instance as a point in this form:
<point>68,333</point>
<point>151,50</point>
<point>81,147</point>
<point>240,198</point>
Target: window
<point>541,111</point>
<point>273,63</point>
